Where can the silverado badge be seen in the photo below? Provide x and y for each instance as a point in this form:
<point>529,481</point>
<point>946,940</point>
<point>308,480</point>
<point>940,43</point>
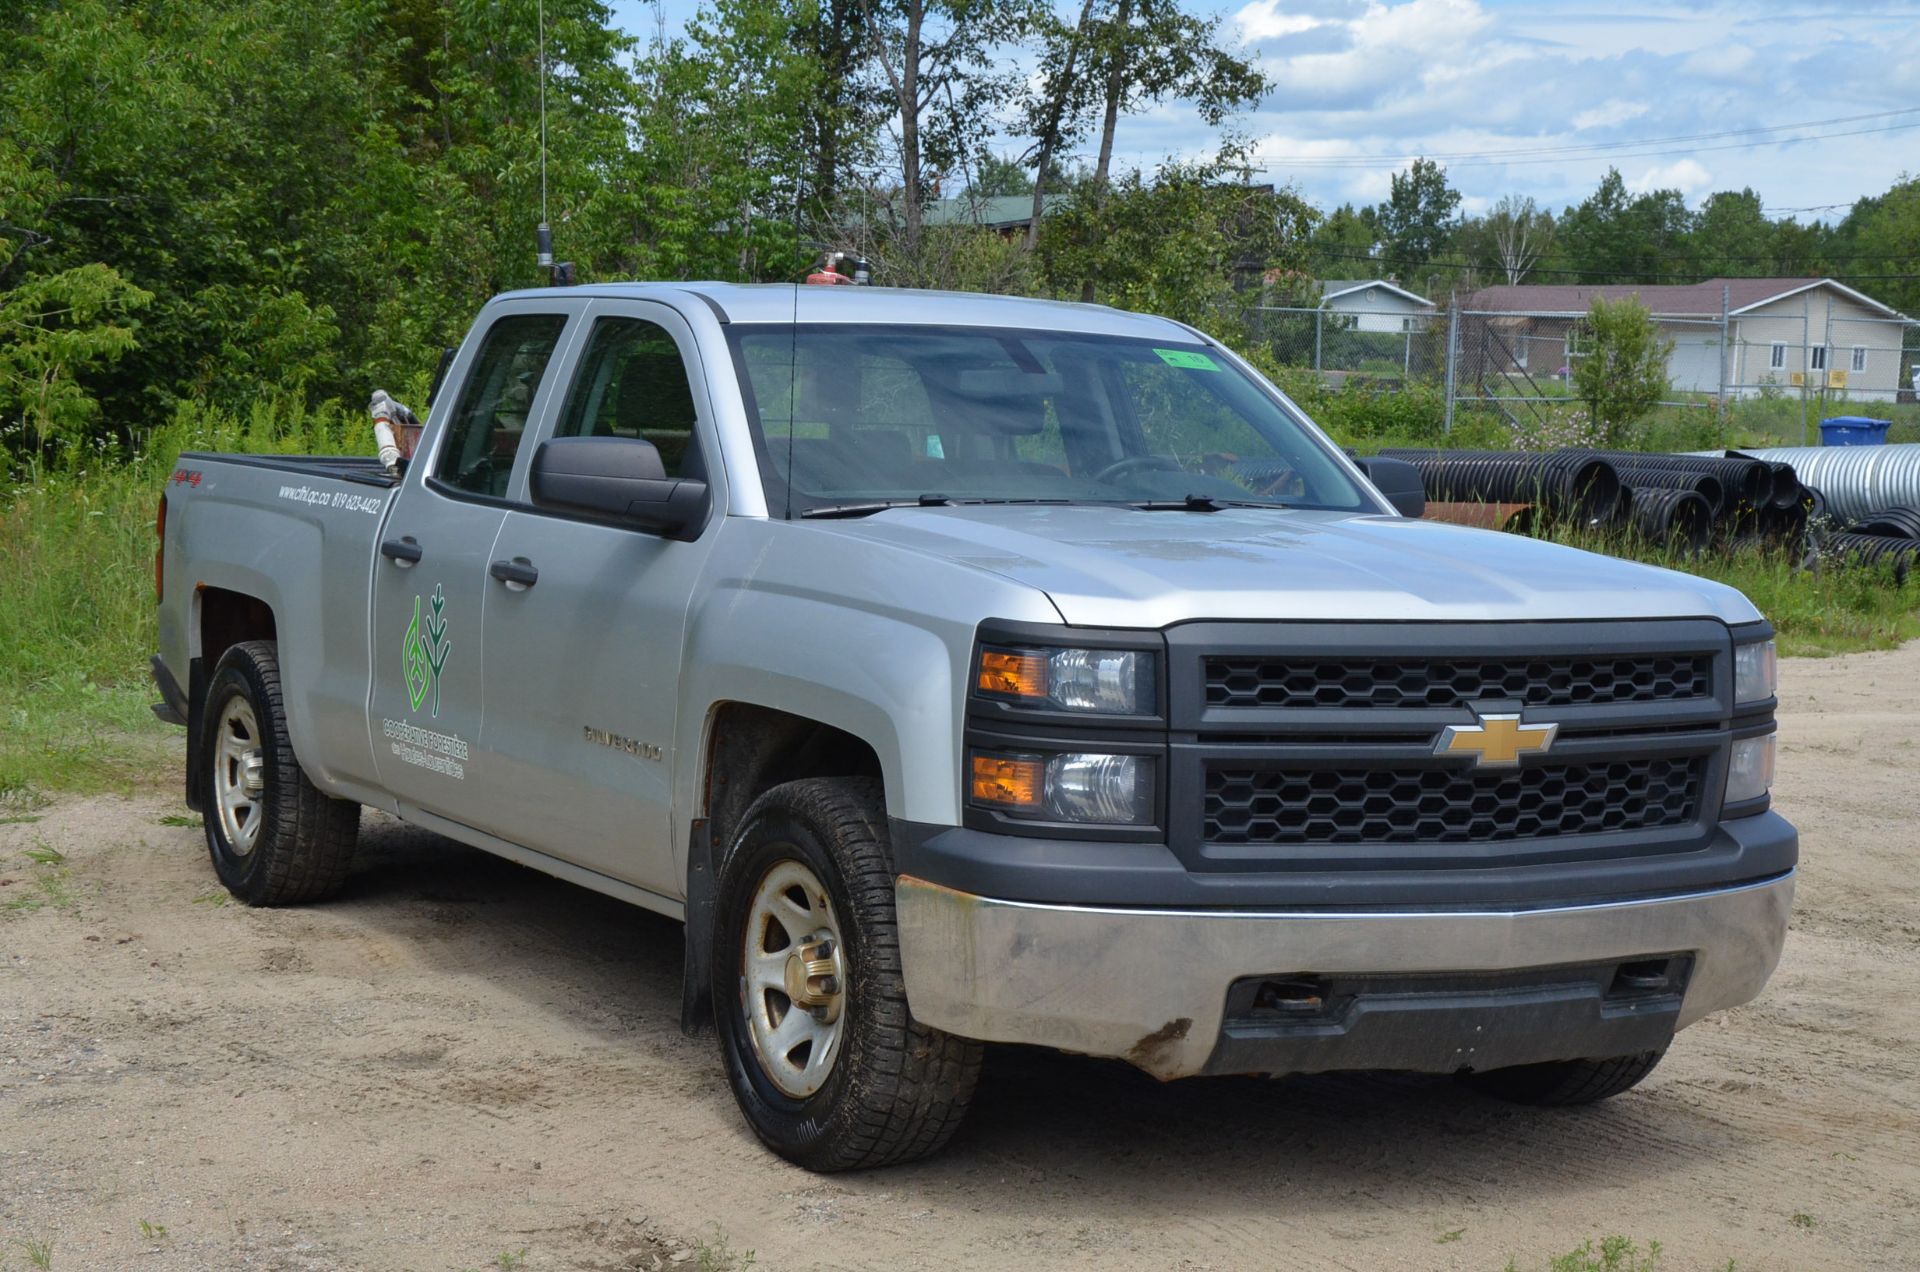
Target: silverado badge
<point>1498,741</point>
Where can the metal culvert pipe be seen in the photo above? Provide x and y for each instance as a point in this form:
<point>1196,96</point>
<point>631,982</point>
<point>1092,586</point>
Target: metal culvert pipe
<point>1671,515</point>
<point>1576,484</point>
<point>1858,481</point>
<point>1745,480</point>
<point>1701,483</point>
<point>1894,523</point>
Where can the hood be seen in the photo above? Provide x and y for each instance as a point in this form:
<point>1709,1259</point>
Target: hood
<point>1120,567</point>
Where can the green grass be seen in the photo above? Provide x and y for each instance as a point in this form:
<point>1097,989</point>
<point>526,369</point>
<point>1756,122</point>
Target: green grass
<point>77,602</point>
<point>40,880</point>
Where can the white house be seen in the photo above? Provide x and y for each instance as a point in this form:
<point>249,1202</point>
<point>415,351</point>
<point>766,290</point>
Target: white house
<point>1375,305</point>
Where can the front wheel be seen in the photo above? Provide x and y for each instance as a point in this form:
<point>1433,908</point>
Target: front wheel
<point>275,838</point>
<point>824,1057</point>
<point>1567,1082</point>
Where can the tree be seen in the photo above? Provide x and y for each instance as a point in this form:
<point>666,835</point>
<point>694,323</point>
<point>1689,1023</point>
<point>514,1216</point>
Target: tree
<point>1345,242</point>
<point>1731,237</point>
<point>1188,243</point>
<point>995,176</point>
<point>1519,234</point>
<point>1622,372</point>
<point>1620,238</point>
<point>1057,106</point>
<point>1885,230</point>
<point>938,57</point>
<point>1417,218</point>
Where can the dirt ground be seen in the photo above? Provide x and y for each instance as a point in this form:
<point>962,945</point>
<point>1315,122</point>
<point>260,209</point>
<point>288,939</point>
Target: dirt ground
<point>462,1060</point>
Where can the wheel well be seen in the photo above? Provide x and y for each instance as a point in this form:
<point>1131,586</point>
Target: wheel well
<point>227,618</point>
<point>751,749</point>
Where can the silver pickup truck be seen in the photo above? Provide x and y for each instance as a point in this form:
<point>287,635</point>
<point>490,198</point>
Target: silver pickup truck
<point>964,669</point>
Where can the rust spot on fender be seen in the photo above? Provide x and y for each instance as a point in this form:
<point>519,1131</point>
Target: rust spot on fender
<point>1154,1052</point>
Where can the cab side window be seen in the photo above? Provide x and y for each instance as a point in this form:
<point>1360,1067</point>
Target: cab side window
<point>632,383</point>
<point>484,432</point>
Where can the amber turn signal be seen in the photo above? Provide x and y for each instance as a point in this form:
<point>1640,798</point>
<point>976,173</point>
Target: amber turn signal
<point>1007,782</point>
<point>1024,675</point>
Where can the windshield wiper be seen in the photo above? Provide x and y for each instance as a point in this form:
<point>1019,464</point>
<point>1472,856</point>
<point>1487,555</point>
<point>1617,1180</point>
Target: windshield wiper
<point>878,505</point>
<point>1200,503</point>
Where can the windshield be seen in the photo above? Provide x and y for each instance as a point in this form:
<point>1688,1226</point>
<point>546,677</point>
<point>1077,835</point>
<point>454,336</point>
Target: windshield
<point>846,417</point>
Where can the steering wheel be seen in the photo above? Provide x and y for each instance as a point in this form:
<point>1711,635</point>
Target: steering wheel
<point>1264,477</point>
<point>1130,462</point>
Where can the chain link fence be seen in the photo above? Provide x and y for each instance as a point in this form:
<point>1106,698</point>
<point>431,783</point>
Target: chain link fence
<point>1810,351</point>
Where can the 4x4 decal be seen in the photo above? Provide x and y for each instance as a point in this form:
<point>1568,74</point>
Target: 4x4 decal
<point>425,651</point>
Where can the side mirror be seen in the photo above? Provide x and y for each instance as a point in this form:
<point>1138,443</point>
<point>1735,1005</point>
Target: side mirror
<point>1399,481</point>
<point>619,479</point>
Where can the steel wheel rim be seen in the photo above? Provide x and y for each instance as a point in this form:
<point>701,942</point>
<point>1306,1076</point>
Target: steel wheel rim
<point>793,979</point>
<point>239,776</point>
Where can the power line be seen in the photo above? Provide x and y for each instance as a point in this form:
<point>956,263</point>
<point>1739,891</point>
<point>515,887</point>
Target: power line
<point>1576,147</point>
<point>1265,163</point>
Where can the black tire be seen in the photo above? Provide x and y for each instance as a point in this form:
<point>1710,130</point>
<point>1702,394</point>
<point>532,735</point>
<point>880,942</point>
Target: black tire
<point>897,1089</point>
<point>1567,1082</point>
<point>302,840</point>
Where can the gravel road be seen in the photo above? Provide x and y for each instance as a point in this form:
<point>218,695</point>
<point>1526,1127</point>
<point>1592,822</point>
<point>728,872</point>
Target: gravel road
<point>461,1060</point>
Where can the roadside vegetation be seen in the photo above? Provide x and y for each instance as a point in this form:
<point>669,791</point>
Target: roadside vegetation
<point>190,260</point>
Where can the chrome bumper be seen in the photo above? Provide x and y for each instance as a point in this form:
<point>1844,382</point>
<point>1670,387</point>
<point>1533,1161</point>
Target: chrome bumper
<point>1150,986</point>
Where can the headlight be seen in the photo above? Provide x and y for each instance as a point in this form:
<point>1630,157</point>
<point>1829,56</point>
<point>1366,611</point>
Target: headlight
<point>1099,681</point>
<point>1750,770</point>
<point>1076,786</point>
<point>1756,672</point>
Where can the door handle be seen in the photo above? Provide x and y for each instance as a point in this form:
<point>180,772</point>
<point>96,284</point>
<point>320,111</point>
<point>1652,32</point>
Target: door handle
<point>518,574</point>
<point>402,552</point>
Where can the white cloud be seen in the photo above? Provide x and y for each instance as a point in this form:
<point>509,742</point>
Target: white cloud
<point>1262,20</point>
<point>1721,61</point>
<point>1687,176</point>
<point>1385,45</point>
<point>1607,114</point>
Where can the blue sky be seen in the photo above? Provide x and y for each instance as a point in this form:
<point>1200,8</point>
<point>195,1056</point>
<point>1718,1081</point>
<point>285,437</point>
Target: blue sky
<point>1362,85</point>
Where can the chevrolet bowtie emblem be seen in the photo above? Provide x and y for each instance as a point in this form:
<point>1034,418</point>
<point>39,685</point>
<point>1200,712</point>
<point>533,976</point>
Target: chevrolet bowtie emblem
<point>1498,741</point>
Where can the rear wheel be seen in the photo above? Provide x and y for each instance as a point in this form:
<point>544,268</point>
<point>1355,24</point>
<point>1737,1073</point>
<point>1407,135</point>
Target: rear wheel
<point>825,1059</point>
<point>274,837</point>
<point>1567,1082</point>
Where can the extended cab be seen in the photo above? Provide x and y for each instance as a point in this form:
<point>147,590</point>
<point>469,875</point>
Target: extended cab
<point>965,669</point>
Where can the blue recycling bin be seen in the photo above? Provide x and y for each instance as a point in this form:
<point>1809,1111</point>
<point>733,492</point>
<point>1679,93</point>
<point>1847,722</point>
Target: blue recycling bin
<point>1854,430</point>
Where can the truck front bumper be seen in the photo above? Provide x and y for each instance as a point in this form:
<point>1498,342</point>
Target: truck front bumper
<point>1183,992</point>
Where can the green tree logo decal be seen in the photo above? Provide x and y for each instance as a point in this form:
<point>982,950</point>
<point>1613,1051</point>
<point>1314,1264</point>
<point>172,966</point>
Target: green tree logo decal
<point>425,650</point>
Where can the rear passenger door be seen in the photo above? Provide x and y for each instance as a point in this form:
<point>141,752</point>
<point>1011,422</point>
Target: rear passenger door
<point>583,666</point>
<point>428,696</point>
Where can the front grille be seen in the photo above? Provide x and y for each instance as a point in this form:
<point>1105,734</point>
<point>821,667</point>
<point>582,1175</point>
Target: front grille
<point>1427,683</point>
<point>1448,805</point>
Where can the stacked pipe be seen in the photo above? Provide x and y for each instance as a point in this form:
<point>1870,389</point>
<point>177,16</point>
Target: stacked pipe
<point>1891,535</point>
<point>1673,515</point>
<point>1575,485</point>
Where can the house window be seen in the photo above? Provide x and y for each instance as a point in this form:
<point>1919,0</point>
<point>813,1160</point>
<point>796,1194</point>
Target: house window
<point>1778,360</point>
<point>1859,357</point>
<point>1817,357</point>
<point>1409,324</point>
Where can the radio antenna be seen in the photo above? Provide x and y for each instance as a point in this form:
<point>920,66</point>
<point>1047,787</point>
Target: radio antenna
<point>541,11</point>
<point>543,233</point>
